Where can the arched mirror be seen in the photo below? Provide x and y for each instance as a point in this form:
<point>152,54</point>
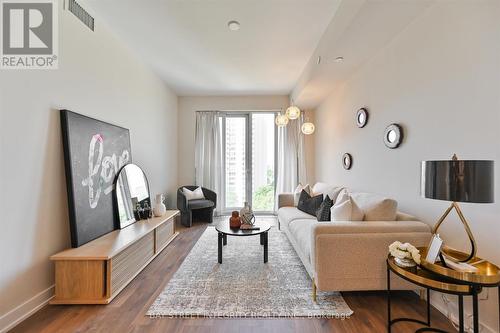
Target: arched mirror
<point>361,117</point>
<point>132,195</point>
<point>347,161</point>
<point>393,136</point>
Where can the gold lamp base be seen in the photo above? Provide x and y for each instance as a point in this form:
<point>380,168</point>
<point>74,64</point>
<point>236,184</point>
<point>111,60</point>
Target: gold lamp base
<point>453,254</point>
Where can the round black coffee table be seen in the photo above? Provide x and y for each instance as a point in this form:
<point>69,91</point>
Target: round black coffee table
<point>224,231</point>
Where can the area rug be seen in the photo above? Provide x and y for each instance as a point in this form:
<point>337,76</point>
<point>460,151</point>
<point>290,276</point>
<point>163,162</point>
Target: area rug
<point>243,286</point>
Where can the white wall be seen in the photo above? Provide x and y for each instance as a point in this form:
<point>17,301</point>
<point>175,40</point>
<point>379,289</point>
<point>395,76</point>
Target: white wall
<point>187,122</point>
<point>440,79</point>
<point>98,77</point>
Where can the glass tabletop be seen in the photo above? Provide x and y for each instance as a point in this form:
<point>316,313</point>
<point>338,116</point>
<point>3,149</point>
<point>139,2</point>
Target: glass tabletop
<point>224,228</point>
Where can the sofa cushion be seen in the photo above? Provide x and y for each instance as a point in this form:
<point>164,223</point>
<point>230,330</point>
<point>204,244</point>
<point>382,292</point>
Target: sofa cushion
<point>298,191</point>
<point>300,230</point>
<point>289,214</point>
<point>309,204</point>
<point>376,207</point>
<point>200,203</point>
<point>326,189</point>
<point>323,213</point>
<point>346,209</point>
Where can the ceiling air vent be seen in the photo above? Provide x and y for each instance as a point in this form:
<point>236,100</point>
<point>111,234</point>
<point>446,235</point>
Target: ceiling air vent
<point>81,14</point>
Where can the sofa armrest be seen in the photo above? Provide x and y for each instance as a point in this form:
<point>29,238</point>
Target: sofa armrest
<point>357,227</point>
<point>356,251</point>
<point>400,216</point>
<point>285,200</point>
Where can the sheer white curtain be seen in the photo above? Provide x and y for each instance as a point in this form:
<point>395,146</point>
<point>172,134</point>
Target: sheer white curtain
<point>208,154</point>
<point>291,168</point>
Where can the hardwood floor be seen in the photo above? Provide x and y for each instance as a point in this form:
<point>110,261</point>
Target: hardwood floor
<point>126,312</point>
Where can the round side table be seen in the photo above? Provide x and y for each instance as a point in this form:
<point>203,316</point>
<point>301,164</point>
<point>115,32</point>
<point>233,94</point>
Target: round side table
<point>444,280</point>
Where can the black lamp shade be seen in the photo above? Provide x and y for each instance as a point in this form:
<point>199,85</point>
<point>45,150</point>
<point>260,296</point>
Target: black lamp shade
<point>458,180</point>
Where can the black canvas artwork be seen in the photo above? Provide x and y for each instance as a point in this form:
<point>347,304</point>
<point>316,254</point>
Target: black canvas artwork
<point>94,153</point>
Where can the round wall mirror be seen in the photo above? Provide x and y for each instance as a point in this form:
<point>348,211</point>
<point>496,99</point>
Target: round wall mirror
<point>393,136</point>
<point>347,161</point>
<point>361,117</point>
<point>132,194</point>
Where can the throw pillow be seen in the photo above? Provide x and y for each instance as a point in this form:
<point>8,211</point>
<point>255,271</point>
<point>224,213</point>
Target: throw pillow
<point>298,190</point>
<point>323,213</point>
<point>325,189</point>
<point>309,204</point>
<point>376,207</point>
<point>197,193</point>
<point>346,209</point>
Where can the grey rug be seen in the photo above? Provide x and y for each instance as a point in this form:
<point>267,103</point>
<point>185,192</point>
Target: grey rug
<point>243,286</point>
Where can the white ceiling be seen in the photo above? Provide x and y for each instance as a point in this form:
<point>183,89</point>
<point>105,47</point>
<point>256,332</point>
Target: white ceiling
<point>188,44</point>
<point>358,31</point>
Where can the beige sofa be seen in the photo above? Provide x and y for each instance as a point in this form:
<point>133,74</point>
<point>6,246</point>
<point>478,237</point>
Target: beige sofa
<point>347,255</point>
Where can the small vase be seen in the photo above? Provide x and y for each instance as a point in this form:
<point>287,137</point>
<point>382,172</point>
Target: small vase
<point>159,208</point>
<point>246,214</point>
<point>234,220</point>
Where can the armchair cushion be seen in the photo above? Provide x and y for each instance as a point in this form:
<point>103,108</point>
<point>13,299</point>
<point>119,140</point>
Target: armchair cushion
<point>200,203</point>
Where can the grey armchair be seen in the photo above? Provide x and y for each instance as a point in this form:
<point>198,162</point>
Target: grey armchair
<point>202,209</point>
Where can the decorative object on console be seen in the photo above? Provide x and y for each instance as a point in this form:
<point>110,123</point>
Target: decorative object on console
<point>160,209</point>
<point>458,181</point>
<point>309,204</point>
<point>347,161</point>
<point>362,117</point>
<point>94,153</point>
<point>235,220</point>
<point>405,254</point>
<point>132,195</point>
<point>246,214</point>
<point>393,136</point>
<point>281,120</point>
<point>323,212</point>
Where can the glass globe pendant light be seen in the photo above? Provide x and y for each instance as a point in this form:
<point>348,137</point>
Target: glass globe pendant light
<point>281,120</point>
<point>293,112</point>
<point>308,127</point>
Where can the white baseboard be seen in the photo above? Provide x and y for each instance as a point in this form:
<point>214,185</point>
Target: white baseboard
<point>23,311</point>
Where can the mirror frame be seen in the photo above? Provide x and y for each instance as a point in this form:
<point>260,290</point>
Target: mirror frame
<point>362,111</point>
<point>120,224</point>
<point>398,130</point>
<point>347,165</point>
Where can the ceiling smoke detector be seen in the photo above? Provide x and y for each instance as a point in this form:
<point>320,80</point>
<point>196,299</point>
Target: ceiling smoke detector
<point>339,59</point>
<point>233,25</point>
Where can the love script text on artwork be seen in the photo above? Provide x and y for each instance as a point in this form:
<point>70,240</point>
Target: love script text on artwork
<point>102,170</point>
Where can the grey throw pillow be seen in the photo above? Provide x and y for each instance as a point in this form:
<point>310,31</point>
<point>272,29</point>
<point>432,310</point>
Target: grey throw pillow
<point>323,212</point>
<point>309,204</point>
